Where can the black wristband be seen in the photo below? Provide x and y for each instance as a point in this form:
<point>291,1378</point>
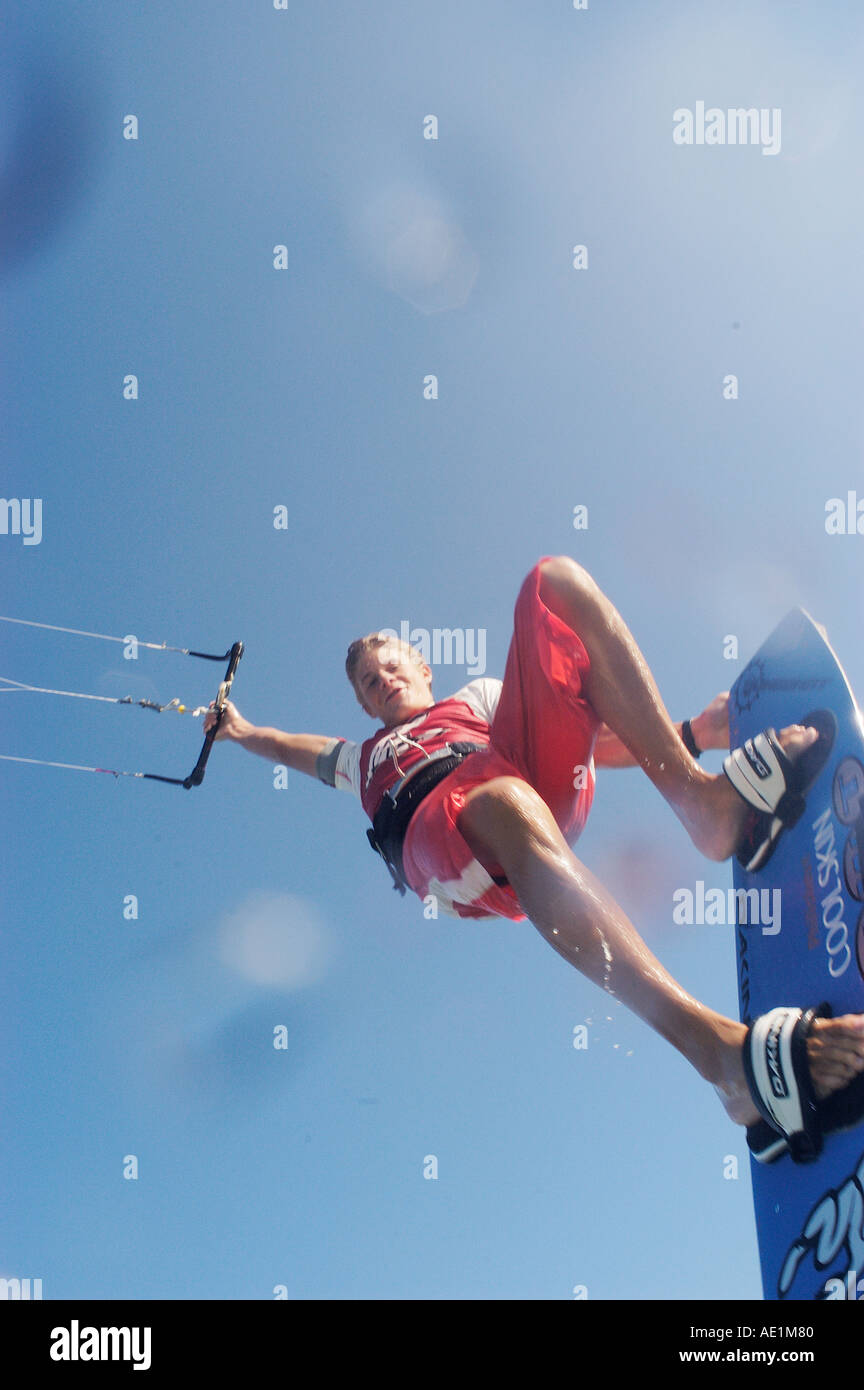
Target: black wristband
<point>688,740</point>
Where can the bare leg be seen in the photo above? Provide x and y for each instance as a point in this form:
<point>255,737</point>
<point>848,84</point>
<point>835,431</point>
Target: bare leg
<point>623,692</point>
<point>506,822</point>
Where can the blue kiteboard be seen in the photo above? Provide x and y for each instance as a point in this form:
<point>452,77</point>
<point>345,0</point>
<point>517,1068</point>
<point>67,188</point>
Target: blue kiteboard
<point>809,1216</point>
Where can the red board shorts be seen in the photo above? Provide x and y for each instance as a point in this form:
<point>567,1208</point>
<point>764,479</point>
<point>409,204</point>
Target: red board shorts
<point>543,732</point>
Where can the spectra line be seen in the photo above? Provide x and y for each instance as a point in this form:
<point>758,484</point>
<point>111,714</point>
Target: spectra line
<point>16,687</point>
<point>77,767</point>
<point>196,776</point>
<point>103,637</point>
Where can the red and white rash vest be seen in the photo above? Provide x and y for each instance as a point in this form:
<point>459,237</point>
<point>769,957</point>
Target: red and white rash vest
<point>371,768</point>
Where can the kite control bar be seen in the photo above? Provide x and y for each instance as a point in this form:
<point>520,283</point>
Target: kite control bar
<point>196,776</point>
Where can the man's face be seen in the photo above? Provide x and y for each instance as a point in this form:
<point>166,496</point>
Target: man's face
<point>392,686</point>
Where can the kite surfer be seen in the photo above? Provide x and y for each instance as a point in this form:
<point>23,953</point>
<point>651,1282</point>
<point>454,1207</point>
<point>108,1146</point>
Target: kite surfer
<point>478,797</point>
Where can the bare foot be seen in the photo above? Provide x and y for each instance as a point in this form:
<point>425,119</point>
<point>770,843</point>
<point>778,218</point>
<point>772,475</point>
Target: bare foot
<point>717,819</point>
<point>835,1050</point>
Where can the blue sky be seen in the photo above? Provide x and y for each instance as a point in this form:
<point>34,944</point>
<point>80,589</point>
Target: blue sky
<point>303,388</point>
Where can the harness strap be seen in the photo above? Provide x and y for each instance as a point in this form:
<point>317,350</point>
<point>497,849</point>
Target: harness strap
<point>391,820</point>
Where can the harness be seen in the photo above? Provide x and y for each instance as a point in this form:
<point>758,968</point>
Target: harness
<point>398,805</point>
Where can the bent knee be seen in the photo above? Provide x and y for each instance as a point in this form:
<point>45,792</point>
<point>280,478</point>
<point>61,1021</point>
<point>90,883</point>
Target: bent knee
<point>560,574</point>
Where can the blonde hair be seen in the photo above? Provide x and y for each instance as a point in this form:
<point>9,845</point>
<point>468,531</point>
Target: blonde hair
<point>372,642</point>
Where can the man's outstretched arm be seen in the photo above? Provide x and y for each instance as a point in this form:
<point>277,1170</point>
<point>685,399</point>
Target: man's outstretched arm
<point>297,751</point>
<point>710,730</point>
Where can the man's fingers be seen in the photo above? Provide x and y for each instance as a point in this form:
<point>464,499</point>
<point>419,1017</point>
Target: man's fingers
<point>227,723</point>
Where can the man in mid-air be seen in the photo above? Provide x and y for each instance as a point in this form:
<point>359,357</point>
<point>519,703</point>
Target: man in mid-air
<point>474,799</point>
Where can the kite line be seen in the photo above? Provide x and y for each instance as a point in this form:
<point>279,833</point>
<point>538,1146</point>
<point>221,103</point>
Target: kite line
<point>196,776</point>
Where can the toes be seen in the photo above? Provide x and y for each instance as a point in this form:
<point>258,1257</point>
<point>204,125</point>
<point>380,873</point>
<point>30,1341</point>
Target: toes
<point>831,1079</point>
<point>840,1053</point>
<point>836,1052</point>
<point>846,1031</point>
<point>798,736</point>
